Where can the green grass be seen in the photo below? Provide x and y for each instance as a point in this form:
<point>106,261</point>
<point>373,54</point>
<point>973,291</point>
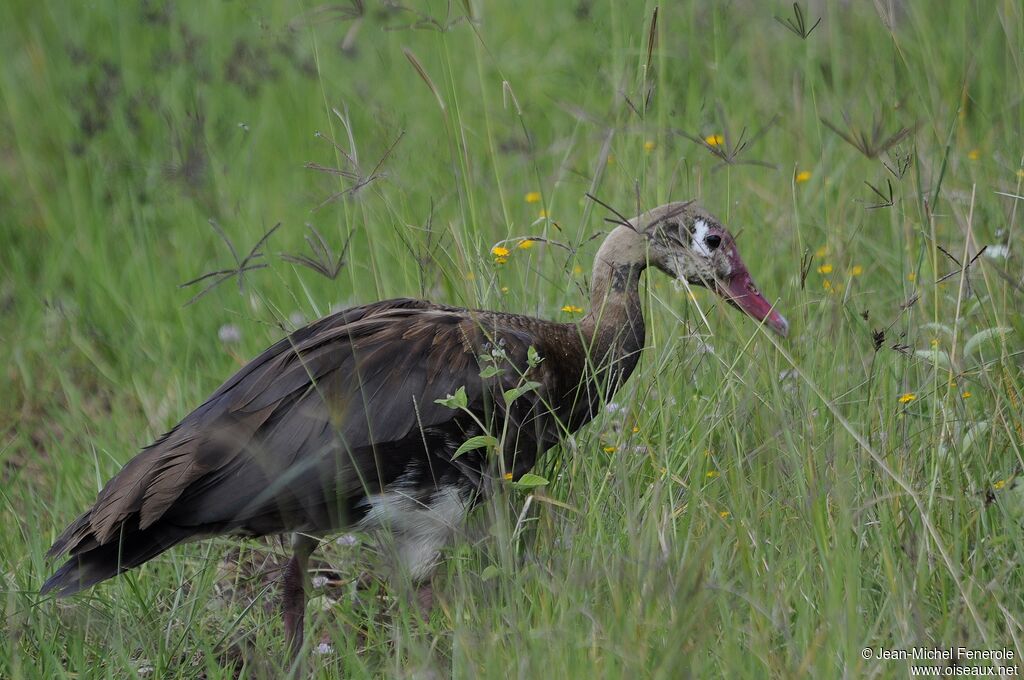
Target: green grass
<point>753,508</point>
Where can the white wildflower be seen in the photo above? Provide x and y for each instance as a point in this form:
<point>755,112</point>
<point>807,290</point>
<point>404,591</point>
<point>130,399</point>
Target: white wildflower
<point>997,252</point>
<point>788,380</point>
<point>705,347</point>
<point>229,334</point>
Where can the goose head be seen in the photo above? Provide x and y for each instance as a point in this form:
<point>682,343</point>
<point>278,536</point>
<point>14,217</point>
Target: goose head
<point>689,243</point>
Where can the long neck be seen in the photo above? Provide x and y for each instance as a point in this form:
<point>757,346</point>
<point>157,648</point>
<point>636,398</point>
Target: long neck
<point>615,324</point>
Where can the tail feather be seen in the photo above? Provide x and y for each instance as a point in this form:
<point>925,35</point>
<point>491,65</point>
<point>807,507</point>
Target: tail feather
<point>76,538</point>
<point>87,568</point>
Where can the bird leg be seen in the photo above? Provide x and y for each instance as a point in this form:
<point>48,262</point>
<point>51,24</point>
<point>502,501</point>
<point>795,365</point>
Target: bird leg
<point>293,595</point>
<point>425,598</point>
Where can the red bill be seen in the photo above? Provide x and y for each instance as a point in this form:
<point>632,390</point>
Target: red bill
<point>741,291</point>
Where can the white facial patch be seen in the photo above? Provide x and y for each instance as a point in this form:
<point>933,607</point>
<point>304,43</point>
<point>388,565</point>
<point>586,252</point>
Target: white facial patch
<point>700,232</point>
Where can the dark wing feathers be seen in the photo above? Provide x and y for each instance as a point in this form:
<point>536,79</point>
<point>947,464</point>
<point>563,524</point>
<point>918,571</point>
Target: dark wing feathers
<point>304,420</point>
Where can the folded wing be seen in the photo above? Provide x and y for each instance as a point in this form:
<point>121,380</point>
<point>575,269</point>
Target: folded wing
<point>300,435</point>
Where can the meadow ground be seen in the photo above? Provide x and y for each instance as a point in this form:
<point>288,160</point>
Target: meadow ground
<point>747,507</point>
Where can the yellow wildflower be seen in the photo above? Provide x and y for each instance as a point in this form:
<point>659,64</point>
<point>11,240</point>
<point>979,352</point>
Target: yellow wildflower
<point>821,252</point>
<point>533,197</point>
<point>827,285</point>
<point>504,289</point>
<point>500,251</point>
<point>526,244</point>
<point>572,309</point>
<point>973,154</point>
<point>802,176</point>
<point>635,429</point>
<point>609,449</point>
<point>711,474</point>
<point>542,213</point>
<point>611,159</point>
<point>649,146</point>
<point>907,398</point>
<point>715,140</point>
<point>508,476</point>
<point>724,514</point>
<point>825,269</point>
<point>856,270</point>
<point>934,342</point>
<point>1000,484</point>
<point>966,395</point>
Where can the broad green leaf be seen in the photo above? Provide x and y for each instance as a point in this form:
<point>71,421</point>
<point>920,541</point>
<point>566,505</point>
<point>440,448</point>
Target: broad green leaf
<point>1011,497</point>
<point>936,327</point>
<point>530,481</point>
<point>980,337</point>
<point>457,400</point>
<point>937,356</point>
<point>532,357</point>
<point>477,442</point>
<point>516,392</point>
<point>489,572</point>
<point>490,372</point>
<point>975,431</point>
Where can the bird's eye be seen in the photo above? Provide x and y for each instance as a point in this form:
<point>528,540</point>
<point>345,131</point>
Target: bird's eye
<point>712,241</point>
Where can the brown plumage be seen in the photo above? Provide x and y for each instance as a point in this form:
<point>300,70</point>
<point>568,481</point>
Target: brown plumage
<point>338,425</point>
